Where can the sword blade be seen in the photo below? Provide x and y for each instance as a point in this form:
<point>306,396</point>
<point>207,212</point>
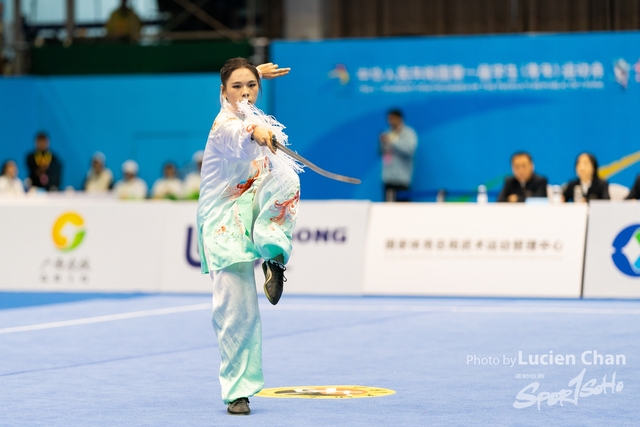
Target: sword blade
<point>315,168</point>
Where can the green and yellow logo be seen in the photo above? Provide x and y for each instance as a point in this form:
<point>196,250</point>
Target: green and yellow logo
<point>72,239</point>
<point>325,392</point>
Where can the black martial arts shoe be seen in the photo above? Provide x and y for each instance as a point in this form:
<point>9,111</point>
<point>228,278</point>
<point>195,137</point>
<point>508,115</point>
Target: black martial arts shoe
<point>274,278</point>
<point>239,407</point>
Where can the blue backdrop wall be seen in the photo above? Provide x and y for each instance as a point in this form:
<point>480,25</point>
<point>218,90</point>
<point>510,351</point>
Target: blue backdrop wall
<point>472,100</point>
<point>151,119</point>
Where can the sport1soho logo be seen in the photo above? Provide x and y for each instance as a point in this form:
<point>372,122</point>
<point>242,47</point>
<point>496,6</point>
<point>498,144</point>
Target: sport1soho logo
<point>577,387</point>
<point>626,255</point>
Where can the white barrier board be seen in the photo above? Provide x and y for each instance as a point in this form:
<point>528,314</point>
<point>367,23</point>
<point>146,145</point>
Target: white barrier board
<point>327,256</point>
<point>82,246</point>
<point>612,261</point>
<point>180,256</point>
<point>111,246</point>
<point>475,250</point>
<point>328,249</point>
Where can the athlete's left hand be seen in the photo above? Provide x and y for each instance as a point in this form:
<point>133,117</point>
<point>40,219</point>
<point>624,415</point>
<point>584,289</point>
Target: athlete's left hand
<point>271,70</point>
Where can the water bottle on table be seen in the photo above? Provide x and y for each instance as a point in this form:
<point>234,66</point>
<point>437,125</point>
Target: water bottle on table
<point>577,194</point>
<point>483,198</point>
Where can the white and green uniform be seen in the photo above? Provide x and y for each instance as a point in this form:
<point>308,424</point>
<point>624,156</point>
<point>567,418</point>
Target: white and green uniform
<point>248,205</point>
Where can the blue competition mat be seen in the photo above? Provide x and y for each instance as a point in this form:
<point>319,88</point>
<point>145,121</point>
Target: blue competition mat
<point>152,360</point>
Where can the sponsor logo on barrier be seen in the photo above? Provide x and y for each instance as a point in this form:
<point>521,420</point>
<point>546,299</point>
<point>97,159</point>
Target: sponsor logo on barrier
<point>64,239</point>
<point>626,255</point>
<point>192,252</point>
<point>302,235</point>
<point>67,233</point>
<point>326,392</point>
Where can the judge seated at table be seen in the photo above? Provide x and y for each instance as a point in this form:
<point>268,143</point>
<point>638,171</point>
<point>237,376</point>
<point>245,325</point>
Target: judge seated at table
<point>634,193</point>
<point>588,185</point>
<point>524,183</point>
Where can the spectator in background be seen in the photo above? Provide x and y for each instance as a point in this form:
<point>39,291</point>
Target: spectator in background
<point>45,170</point>
<point>10,184</point>
<point>99,178</point>
<point>169,186</point>
<point>524,182</point>
<point>124,24</point>
<point>131,187</point>
<point>397,147</point>
<point>588,186</point>
<point>192,181</point>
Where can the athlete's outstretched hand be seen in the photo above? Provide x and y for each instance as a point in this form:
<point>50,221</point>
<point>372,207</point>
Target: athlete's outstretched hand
<point>271,70</point>
<point>264,138</point>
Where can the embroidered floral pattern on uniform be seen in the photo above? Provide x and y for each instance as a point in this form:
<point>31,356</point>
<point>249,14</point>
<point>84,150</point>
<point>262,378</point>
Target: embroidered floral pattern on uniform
<point>285,209</point>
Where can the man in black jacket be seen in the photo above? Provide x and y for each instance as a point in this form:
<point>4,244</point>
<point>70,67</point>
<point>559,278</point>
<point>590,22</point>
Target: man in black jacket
<point>524,183</point>
<point>45,170</point>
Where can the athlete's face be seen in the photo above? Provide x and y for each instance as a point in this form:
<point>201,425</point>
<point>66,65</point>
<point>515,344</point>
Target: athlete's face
<point>242,84</point>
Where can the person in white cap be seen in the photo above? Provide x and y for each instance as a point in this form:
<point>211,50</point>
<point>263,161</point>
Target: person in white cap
<point>99,178</point>
<point>192,181</point>
<point>10,184</point>
<point>169,186</point>
<point>131,187</point>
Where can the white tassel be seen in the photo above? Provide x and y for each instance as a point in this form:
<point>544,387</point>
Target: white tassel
<point>282,164</point>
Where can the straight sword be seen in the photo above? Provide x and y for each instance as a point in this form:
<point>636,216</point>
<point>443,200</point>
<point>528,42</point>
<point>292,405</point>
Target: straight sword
<point>311,166</point>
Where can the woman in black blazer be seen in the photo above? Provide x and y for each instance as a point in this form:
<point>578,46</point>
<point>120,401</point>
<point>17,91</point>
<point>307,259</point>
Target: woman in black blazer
<point>634,192</point>
<point>589,184</point>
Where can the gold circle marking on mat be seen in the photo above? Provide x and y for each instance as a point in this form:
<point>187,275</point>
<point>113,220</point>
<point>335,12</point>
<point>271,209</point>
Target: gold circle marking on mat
<point>325,392</point>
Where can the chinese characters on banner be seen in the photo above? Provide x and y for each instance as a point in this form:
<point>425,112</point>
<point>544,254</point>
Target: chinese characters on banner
<point>483,77</point>
<point>65,270</point>
<point>430,246</point>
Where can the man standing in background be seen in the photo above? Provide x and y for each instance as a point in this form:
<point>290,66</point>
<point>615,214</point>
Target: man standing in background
<point>397,147</point>
<point>45,170</point>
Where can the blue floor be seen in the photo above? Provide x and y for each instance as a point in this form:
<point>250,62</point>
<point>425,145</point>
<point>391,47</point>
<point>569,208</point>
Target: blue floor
<point>29,299</point>
<point>158,368</point>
